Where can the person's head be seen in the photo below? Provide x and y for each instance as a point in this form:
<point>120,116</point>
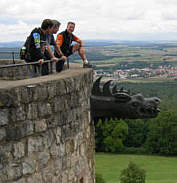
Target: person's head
<point>47,26</point>
<point>56,26</point>
<point>70,27</point>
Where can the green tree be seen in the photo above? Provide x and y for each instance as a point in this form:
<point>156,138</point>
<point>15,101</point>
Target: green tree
<point>110,135</point>
<point>162,136</point>
<point>137,132</point>
<point>132,174</point>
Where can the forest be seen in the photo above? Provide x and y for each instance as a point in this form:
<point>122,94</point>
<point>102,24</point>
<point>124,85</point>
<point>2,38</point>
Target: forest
<point>150,136</point>
<point>154,136</point>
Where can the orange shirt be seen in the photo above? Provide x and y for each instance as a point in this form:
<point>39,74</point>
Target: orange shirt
<point>59,39</point>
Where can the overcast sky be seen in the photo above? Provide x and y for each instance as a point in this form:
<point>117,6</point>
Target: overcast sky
<point>95,19</point>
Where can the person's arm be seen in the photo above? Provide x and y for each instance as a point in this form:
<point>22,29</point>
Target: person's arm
<point>58,50</point>
<point>51,53</point>
<point>76,39</point>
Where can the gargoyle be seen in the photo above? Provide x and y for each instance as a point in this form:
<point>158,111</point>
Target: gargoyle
<point>120,104</point>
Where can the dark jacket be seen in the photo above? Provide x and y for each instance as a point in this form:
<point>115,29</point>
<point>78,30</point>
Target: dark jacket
<point>36,37</point>
<point>67,41</point>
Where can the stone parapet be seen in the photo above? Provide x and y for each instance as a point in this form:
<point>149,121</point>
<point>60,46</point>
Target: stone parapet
<point>13,73</point>
<point>46,134</point>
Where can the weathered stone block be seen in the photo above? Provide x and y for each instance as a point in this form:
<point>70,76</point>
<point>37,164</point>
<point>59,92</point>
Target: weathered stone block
<point>40,93</point>
<point>26,95</point>
<point>35,178</point>
<point>19,150</point>
<point>48,139</point>
<point>29,166</point>
<point>40,125</point>
<point>65,177</point>
<point>58,135</point>
<point>2,134</point>
<point>42,159</point>
<point>55,151</point>
<point>32,111</point>
<point>28,128</point>
<point>60,87</point>
<point>3,176</point>
<point>44,109</point>
<point>35,144</point>
<point>14,171</point>
<point>22,180</point>
<point>53,121</point>
<point>3,117</point>
<point>52,90</point>
<point>13,133</point>
<point>6,153</point>
<point>59,104</point>
<point>57,163</point>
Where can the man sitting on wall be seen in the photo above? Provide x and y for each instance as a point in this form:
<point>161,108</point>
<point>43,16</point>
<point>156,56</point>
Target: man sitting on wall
<point>64,41</point>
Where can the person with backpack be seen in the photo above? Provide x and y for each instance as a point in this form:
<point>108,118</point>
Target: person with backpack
<point>33,46</point>
<point>64,41</point>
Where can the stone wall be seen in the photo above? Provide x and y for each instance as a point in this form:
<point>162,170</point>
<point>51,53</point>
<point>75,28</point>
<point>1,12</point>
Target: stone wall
<point>13,73</point>
<point>46,134</point>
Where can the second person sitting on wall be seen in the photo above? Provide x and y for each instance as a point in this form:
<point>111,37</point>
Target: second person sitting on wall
<point>64,41</point>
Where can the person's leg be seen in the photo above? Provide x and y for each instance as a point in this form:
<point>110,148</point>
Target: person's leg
<point>45,69</point>
<point>32,70</point>
<point>38,69</point>
<point>81,52</point>
<point>45,66</point>
<point>59,66</point>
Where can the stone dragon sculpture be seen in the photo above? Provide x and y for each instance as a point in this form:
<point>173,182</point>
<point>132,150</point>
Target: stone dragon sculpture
<point>114,103</point>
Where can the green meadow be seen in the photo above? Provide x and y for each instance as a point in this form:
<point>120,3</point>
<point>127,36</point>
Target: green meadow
<point>159,169</point>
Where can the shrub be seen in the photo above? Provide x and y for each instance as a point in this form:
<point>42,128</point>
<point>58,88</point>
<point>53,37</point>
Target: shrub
<point>135,150</point>
<point>132,174</point>
<point>99,178</point>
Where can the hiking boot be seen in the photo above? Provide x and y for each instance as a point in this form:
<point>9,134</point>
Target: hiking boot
<point>87,65</point>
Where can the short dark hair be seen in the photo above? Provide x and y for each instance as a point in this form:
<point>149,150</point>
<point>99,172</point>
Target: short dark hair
<point>47,23</point>
<point>70,23</point>
<point>56,23</point>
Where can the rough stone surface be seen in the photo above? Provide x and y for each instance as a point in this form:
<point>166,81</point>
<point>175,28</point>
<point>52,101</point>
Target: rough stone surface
<point>13,73</point>
<point>45,130</point>
<point>2,134</point>
<point>3,117</point>
<point>28,166</point>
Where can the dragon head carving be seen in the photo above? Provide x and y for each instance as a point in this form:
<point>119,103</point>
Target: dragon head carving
<point>107,103</point>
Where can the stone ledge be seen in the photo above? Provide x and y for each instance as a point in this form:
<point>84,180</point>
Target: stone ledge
<point>74,70</point>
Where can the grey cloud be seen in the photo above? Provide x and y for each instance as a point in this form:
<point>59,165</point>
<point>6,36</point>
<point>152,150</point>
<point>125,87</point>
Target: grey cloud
<point>93,18</point>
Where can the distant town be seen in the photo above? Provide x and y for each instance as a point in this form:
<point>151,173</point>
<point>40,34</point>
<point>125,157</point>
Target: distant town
<point>160,72</point>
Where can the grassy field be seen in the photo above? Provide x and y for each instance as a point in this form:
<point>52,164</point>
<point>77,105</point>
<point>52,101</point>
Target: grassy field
<point>158,169</point>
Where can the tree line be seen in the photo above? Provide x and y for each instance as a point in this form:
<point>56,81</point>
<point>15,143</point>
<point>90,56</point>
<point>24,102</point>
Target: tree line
<point>153,136</point>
